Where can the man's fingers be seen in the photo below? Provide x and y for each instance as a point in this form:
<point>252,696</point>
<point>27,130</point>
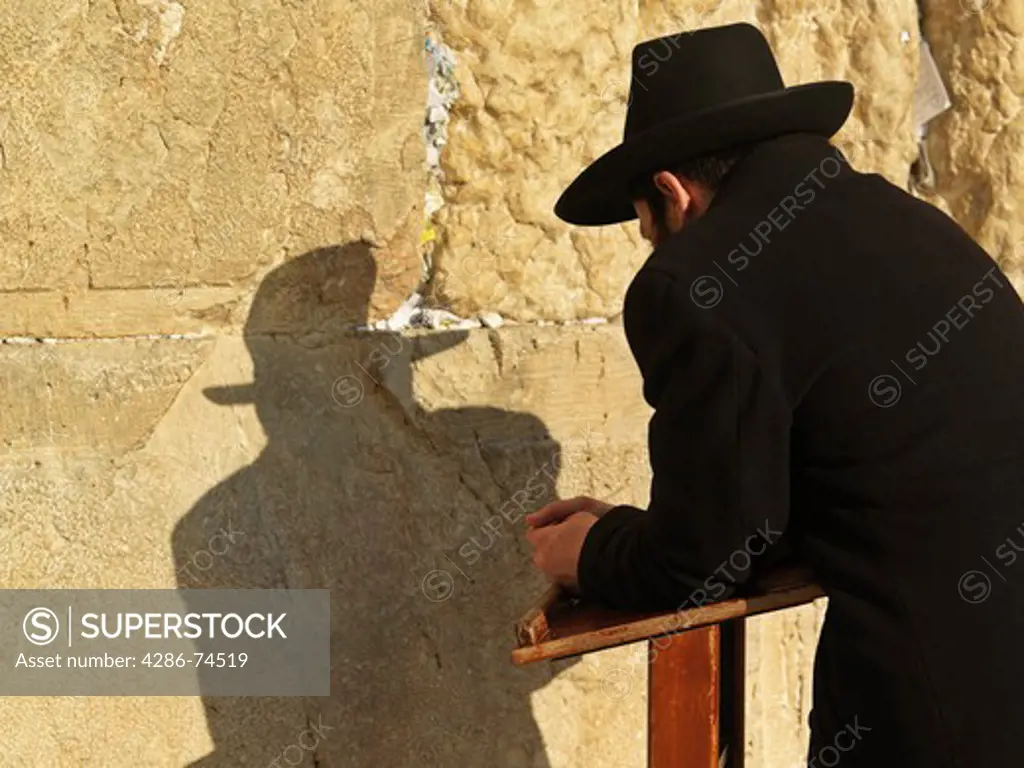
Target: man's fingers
<point>557,511</point>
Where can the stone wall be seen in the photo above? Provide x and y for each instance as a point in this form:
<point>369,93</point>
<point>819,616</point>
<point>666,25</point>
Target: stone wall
<point>208,213</point>
<point>978,147</point>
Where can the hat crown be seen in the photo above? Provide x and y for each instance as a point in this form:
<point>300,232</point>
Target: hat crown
<point>690,72</point>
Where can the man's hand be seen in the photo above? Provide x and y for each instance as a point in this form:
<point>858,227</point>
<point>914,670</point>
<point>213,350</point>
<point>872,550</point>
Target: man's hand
<point>557,547</point>
<point>557,511</point>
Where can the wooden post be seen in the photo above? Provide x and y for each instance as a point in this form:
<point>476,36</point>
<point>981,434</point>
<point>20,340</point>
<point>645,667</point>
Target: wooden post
<point>683,699</point>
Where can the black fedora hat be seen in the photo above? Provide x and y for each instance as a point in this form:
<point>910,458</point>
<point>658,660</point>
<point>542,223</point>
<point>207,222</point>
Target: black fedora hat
<point>693,94</point>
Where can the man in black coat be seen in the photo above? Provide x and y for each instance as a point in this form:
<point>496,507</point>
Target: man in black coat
<point>834,364</point>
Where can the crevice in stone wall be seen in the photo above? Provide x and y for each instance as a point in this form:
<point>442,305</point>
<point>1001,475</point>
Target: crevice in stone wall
<point>24,341</point>
<point>930,100</point>
<point>418,311</point>
<point>442,93</point>
<point>420,318</point>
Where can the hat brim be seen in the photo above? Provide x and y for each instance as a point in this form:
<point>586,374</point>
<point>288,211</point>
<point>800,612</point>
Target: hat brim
<point>421,347</point>
<point>600,194</point>
<point>239,394</point>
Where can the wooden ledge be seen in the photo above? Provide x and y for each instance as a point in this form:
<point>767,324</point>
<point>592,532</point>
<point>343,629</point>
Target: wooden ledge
<point>560,625</point>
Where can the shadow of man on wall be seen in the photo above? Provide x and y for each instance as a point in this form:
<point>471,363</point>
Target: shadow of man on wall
<point>411,518</point>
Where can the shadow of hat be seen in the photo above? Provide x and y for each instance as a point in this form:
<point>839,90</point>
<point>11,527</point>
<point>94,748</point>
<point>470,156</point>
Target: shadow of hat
<point>321,295</point>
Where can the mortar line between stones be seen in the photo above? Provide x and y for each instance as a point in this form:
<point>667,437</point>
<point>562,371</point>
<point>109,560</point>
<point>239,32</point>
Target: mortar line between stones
<point>355,331</point>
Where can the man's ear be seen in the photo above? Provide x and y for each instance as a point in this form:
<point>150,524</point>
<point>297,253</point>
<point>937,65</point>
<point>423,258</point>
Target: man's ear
<point>668,183</point>
<point>680,198</point>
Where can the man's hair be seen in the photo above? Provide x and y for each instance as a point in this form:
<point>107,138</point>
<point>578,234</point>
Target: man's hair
<point>707,170</point>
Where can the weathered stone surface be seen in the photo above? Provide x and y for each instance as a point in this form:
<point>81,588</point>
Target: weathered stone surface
<point>168,308</point>
<point>406,503</point>
<point>540,96</point>
<point>94,398</point>
<point>780,654</point>
<point>347,281</point>
<point>601,395</point>
<point>95,732</point>
<point>101,515</point>
<point>977,148</point>
<point>549,99</point>
<point>151,144</point>
<point>595,713</point>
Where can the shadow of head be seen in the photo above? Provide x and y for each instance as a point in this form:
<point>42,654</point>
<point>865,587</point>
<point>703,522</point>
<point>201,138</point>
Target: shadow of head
<point>320,298</point>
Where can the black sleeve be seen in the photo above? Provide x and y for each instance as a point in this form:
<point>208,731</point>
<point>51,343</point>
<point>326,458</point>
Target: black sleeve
<point>719,451</point>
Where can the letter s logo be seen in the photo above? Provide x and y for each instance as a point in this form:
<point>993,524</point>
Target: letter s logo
<point>41,626</point>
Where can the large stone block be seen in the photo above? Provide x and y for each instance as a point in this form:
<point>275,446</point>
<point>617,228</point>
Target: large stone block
<point>347,282</point>
<point>90,398</point>
<point>977,148</point>
<point>156,143</point>
<point>166,309</point>
<point>541,93</point>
